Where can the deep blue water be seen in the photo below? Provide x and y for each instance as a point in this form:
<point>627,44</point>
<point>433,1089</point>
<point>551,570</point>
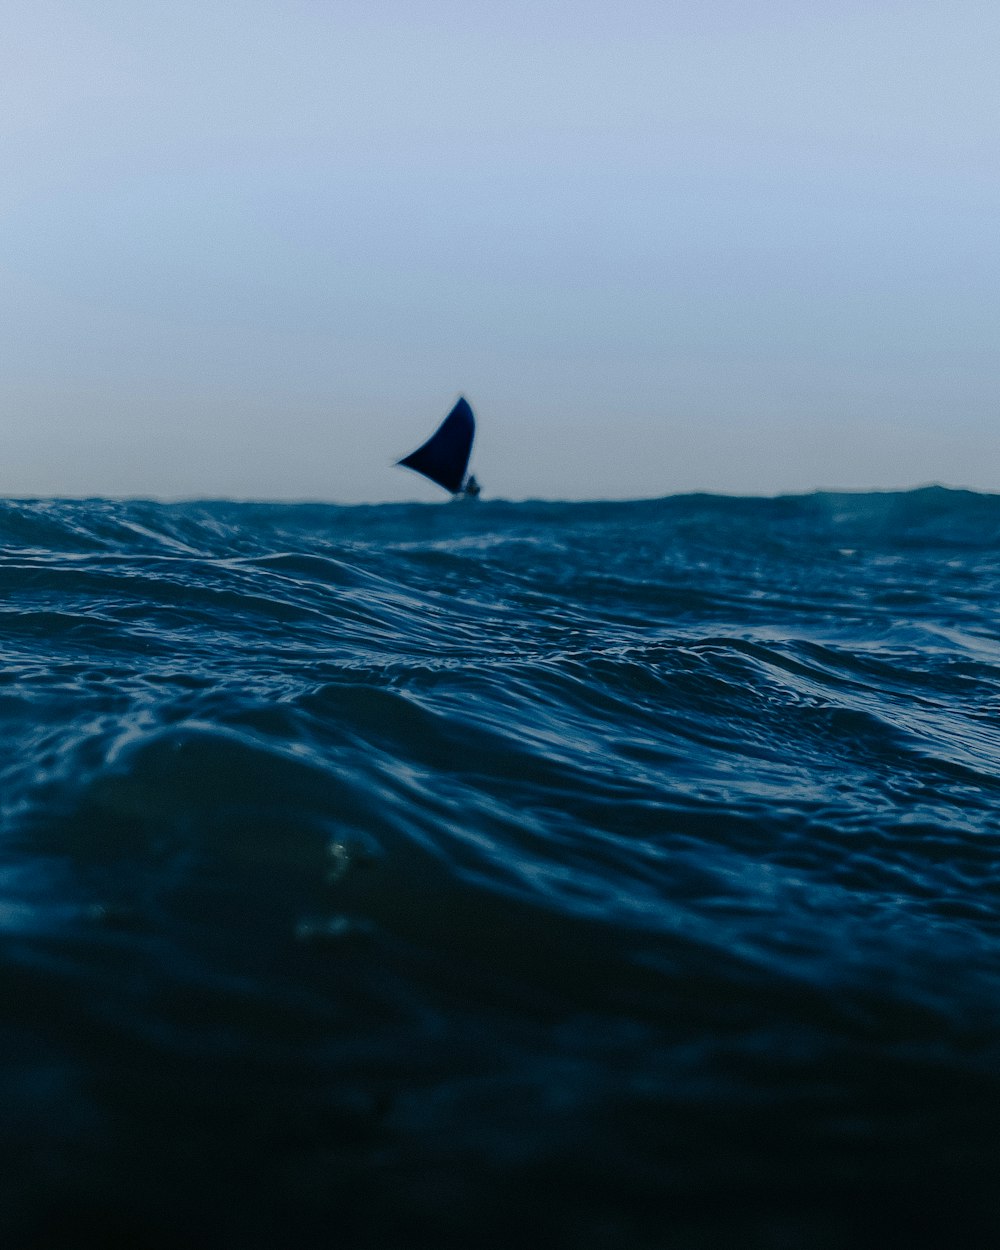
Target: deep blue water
<point>572,875</point>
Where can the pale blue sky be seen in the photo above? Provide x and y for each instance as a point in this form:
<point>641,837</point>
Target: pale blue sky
<point>257,249</point>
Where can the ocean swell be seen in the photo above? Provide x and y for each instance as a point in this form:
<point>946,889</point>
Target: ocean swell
<point>569,874</point>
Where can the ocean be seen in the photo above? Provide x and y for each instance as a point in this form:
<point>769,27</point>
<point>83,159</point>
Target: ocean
<point>578,875</point>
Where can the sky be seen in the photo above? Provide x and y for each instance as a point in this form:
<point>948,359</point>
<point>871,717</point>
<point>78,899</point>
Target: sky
<point>257,250</point>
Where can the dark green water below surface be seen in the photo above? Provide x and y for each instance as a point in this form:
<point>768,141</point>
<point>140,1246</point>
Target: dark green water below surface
<point>565,875</point>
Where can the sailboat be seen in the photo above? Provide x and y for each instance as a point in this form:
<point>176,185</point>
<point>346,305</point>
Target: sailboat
<point>444,458</point>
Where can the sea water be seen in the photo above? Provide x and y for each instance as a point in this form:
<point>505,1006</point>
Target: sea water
<point>573,875</point>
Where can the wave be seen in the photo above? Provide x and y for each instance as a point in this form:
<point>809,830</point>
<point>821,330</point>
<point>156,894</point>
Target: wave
<point>402,857</point>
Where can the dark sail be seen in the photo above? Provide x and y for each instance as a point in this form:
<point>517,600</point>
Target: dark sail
<point>445,456</point>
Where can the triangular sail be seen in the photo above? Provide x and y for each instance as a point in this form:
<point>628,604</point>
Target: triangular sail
<point>445,456</point>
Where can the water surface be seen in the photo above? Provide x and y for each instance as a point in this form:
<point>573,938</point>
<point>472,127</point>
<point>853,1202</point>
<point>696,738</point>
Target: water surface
<point>578,875</point>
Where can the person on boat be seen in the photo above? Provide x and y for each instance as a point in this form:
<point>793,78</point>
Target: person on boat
<point>472,488</point>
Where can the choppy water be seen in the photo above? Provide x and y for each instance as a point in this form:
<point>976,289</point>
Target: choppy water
<point>592,876</point>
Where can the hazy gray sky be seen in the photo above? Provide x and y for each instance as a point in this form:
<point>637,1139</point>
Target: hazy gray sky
<point>257,249</point>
